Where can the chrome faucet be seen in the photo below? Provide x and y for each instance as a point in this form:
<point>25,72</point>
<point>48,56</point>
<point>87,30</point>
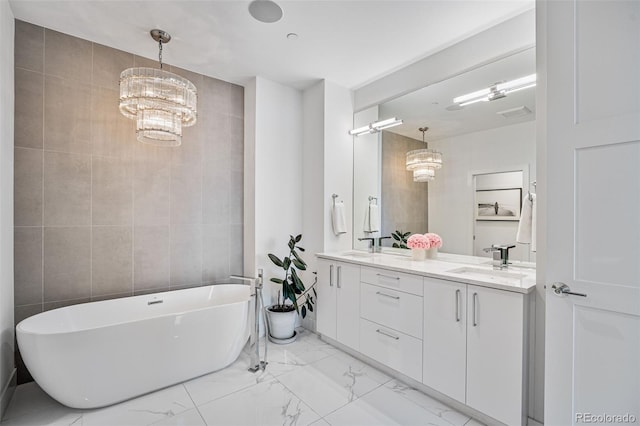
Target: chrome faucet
<point>255,284</point>
<point>500,255</point>
<point>372,243</point>
<point>378,248</point>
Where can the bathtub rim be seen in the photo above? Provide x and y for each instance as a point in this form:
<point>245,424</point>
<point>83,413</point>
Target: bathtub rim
<point>20,327</point>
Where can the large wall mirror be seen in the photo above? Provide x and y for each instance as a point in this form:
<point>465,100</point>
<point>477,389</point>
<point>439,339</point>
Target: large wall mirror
<point>488,152</point>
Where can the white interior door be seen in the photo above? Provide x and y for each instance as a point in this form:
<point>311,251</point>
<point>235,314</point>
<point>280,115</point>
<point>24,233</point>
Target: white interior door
<point>592,362</point>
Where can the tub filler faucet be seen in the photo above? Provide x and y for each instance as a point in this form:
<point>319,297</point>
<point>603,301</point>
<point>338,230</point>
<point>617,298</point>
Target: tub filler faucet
<point>256,292</point>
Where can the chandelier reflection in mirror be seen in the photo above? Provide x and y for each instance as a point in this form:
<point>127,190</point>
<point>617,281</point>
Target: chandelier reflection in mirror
<point>423,162</point>
<point>162,103</point>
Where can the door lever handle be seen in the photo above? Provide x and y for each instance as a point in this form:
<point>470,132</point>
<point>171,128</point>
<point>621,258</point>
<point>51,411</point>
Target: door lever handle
<point>560,289</point>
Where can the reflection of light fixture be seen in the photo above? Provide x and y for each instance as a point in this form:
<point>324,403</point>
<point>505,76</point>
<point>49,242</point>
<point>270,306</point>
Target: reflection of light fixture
<point>496,91</point>
<point>162,103</point>
<point>375,127</point>
<point>423,162</point>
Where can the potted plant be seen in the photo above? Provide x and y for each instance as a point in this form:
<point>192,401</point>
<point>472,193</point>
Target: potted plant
<point>282,316</point>
<point>401,239</point>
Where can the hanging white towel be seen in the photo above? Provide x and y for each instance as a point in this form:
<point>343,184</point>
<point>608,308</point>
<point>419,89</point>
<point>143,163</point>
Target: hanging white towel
<point>338,218</point>
<point>527,226</point>
<point>372,219</point>
<point>534,214</point>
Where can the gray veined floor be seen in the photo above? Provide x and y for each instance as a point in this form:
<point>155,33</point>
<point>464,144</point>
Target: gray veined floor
<point>306,383</point>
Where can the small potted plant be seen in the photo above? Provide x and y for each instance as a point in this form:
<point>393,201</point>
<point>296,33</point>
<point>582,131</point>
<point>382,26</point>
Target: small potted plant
<point>400,239</point>
<point>282,316</point>
<point>419,244</point>
<point>435,242</point>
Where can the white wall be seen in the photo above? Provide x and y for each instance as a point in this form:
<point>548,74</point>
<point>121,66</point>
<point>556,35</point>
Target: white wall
<point>503,149</point>
<point>367,168</point>
<point>273,179</point>
<point>7,370</point>
<point>338,156</point>
<point>499,41</point>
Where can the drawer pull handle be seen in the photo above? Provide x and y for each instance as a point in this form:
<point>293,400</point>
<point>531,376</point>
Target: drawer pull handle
<point>387,334</point>
<point>339,276</point>
<point>387,276</point>
<point>475,309</point>
<point>458,305</point>
<point>388,295</point>
<point>330,275</point>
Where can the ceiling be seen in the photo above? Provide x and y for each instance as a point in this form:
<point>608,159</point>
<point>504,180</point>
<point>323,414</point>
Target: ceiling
<point>432,105</point>
<point>350,43</point>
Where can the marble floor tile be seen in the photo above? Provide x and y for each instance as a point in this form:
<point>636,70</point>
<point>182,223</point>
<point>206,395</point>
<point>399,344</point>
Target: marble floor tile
<point>332,382</point>
<point>383,407</point>
<point>57,415</point>
<point>269,403</point>
<point>226,381</point>
<point>474,422</point>
<point>187,418</point>
<point>286,358</point>
<point>144,410</point>
<point>436,407</point>
<point>27,399</point>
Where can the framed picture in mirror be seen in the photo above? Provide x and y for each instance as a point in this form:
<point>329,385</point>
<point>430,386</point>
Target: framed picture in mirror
<point>498,204</point>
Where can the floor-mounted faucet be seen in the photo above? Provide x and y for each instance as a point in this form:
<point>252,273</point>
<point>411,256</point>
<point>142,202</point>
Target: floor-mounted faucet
<point>256,292</point>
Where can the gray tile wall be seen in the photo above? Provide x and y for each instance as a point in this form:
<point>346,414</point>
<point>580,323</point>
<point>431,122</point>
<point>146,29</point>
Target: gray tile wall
<point>99,215</point>
<point>406,203</point>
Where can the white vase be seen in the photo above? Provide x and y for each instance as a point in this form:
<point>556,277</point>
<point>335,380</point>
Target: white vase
<point>281,324</point>
<point>418,254</point>
<point>432,253</point>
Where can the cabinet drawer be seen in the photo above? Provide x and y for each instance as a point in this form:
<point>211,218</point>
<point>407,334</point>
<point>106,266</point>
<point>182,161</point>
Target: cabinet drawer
<point>392,348</point>
<point>391,279</point>
<point>392,308</point>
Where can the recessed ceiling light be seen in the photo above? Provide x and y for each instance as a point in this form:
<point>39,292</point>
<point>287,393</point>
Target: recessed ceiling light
<point>265,11</point>
<point>292,36</point>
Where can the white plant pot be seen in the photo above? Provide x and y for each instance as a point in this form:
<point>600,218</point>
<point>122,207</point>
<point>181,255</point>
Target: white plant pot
<point>281,324</point>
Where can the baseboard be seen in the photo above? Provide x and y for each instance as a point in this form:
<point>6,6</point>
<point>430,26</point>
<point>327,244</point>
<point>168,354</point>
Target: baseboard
<point>7,393</point>
<point>532,422</point>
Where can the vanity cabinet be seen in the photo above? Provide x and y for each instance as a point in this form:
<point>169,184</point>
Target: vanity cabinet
<point>496,353</point>
<point>463,340</point>
<point>338,312</point>
<point>445,337</point>
<point>474,347</point>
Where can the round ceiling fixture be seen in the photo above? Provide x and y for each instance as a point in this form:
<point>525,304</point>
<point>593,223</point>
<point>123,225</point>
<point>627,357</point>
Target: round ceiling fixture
<point>292,36</point>
<point>265,11</point>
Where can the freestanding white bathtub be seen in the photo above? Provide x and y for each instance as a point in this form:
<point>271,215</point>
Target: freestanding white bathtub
<point>97,354</point>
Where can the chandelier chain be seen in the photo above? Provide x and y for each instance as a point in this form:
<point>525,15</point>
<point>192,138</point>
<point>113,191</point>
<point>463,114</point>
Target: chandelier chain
<point>160,52</point>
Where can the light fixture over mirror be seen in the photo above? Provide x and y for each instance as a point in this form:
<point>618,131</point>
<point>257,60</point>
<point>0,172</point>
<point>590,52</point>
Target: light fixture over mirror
<point>496,91</point>
<point>162,103</point>
<point>376,127</point>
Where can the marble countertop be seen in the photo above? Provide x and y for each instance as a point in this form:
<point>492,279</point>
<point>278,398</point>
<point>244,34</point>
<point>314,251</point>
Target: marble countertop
<point>520,277</point>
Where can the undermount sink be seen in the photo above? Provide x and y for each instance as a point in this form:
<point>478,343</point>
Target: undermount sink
<point>362,254</point>
<point>487,273</point>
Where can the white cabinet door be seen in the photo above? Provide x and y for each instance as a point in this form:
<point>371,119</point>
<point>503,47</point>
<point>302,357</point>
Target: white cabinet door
<point>326,306</point>
<point>445,337</point>
<point>495,353</point>
<point>347,284</point>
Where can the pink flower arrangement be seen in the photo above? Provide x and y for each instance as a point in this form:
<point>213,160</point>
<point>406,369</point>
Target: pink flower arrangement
<point>418,241</point>
<point>434,240</point>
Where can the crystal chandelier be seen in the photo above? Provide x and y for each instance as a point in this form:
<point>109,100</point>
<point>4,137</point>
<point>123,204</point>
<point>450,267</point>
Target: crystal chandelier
<point>162,103</point>
<point>423,162</point>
